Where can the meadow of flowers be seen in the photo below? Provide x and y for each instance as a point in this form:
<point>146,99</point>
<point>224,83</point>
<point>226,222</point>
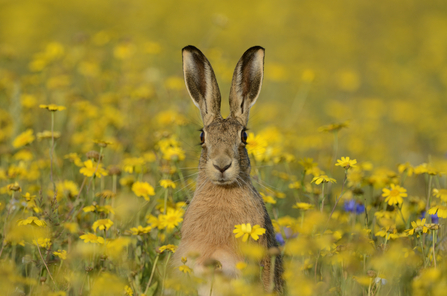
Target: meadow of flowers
<point>99,154</point>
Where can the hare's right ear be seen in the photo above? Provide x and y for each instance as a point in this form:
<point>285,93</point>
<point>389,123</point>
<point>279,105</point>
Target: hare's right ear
<point>201,83</point>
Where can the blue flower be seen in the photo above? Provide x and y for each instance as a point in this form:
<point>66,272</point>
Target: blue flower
<point>280,239</point>
<point>353,207</point>
<point>360,209</point>
<point>434,218</point>
<point>349,206</point>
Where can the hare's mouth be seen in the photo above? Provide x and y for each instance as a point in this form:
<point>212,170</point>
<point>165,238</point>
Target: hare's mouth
<point>223,181</point>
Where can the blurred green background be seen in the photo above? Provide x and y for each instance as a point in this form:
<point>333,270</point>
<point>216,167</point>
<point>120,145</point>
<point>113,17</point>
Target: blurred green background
<point>379,65</point>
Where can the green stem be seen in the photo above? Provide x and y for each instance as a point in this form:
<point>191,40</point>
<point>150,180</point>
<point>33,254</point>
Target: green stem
<point>322,198</point>
<point>152,273</point>
<point>52,153</point>
<point>164,273</point>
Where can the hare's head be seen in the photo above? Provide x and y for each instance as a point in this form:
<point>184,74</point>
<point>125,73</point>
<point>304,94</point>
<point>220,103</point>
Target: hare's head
<point>224,157</point>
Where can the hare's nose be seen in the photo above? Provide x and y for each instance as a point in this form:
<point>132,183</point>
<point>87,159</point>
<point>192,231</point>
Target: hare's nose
<point>222,169</point>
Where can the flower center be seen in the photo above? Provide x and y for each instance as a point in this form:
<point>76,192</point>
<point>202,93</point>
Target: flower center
<point>394,192</point>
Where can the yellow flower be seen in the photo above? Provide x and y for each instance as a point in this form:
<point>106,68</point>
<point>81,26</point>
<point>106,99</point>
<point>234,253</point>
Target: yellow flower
<point>43,242</point>
<point>32,221</point>
<point>143,189</point>
<point>128,290</point>
<point>406,167</point>
<point>346,163</point>
<point>74,157</point>
<point>295,185</point>
<point>14,187</point>
<point>171,248</point>
<point>102,224</point>
<point>52,107</point>
<point>61,254</point>
<point>303,206</point>
<point>167,183</point>
<point>48,135</point>
<point>268,198</point>
<point>28,196</point>
<point>256,146</point>
<point>140,230</point>
<point>90,168</point>
<point>333,127</point>
<point>185,269</point>
<point>441,193</point>
<point>323,179</point>
<point>171,219</point>
<point>23,139</point>
<point>440,210</point>
<point>245,230</point>
<point>241,265</point>
<point>92,238</point>
<point>394,196</point>
<point>106,194</point>
<point>307,163</point>
<point>133,164</point>
<point>72,227</point>
<point>89,209</point>
<point>418,226</point>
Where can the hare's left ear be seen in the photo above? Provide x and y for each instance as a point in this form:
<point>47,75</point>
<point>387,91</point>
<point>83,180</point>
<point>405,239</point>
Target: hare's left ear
<point>246,85</point>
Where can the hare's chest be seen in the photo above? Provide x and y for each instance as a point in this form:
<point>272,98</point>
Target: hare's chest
<point>214,222</point>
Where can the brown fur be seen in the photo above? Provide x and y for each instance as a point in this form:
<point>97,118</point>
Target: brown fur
<point>224,197</point>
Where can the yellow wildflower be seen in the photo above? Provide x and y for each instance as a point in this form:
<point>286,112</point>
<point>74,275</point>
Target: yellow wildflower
<point>245,230</point>
<point>43,242</point>
<point>140,230</point>
<point>169,247</point>
<point>90,168</point>
<point>268,199</point>
<point>74,157</point>
<point>143,189</point>
<point>14,187</point>
<point>303,206</point>
<point>167,183</point>
<point>52,107</point>
<point>346,163</point>
<point>61,254</point>
<point>171,219</point>
<point>394,196</point>
<point>406,167</point>
<point>91,208</point>
<point>72,227</point>
<point>23,139</point>
<point>48,135</point>
<point>185,269</point>
<point>256,146</point>
<point>295,185</point>
<point>102,224</point>
<point>307,163</point>
<point>92,238</point>
<point>128,290</point>
<point>418,226</point>
<point>323,179</point>
<point>440,193</point>
<point>440,210</point>
<point>32,221</point>
<point>333,127</point>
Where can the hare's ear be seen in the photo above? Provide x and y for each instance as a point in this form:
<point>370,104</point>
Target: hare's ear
<point>201,83</point>
<point>246,85</point>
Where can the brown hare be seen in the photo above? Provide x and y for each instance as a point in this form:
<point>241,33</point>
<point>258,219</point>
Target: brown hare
<point>224,193</point>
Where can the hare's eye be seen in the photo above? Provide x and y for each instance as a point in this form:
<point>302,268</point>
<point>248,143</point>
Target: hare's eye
<point>244,137</point>
<point>202,137</point>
